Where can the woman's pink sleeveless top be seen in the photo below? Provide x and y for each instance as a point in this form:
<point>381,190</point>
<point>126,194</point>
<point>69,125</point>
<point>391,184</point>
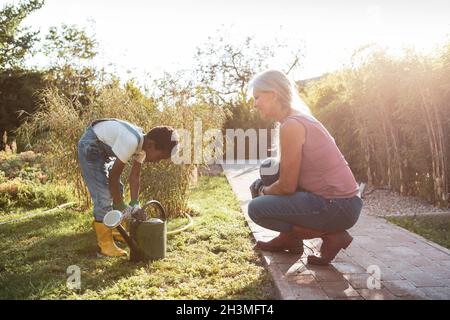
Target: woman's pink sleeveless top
<point>324,170</point>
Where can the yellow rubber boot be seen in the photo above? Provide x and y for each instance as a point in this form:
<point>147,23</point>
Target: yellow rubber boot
<point>116,234</point>
<point>105,241</point>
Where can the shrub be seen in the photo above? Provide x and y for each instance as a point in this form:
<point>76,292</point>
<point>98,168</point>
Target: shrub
<point>24,183</point>
<point>26,166</point>
<point>17,193</point>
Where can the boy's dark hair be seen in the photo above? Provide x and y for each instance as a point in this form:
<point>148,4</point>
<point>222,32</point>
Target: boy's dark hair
<point>162,137</point>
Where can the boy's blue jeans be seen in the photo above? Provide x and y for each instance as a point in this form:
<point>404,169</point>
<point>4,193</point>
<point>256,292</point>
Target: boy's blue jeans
<point>305,209</point>
<point>95,162</point>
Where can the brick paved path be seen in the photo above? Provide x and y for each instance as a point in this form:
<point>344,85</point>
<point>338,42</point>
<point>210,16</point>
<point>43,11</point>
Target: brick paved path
<point>410,266</point>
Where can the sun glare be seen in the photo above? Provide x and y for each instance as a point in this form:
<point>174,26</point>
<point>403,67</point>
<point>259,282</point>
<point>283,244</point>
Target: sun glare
<point>144,37</point>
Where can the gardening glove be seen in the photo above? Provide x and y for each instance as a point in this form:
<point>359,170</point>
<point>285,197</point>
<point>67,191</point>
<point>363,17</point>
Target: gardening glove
<point>256,187</point>
<point>138,213</point>
<point>126,210</point>
<point>135,204</point>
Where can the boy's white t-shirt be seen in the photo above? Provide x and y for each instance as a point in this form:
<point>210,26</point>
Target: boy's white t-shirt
<point>123,143</point>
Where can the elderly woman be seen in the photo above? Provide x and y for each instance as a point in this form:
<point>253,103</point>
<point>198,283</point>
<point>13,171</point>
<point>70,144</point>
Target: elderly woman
<point>315,193</point>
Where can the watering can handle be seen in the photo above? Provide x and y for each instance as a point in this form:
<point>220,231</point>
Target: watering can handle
<point>162,211</point>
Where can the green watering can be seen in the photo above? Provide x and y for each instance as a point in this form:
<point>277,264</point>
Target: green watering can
<point>148,237</point>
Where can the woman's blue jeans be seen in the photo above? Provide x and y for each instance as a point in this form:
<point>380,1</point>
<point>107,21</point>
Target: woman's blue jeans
<point>305,209</point>
<point>95,162</point>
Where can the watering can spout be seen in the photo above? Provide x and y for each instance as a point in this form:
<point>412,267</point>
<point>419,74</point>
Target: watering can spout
<point>113,219</point>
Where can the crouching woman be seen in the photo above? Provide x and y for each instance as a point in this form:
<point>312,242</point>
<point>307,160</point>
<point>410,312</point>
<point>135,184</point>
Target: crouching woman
<point>315,193</point>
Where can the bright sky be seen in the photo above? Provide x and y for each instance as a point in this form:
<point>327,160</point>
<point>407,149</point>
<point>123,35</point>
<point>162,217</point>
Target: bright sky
<point>150,36</point>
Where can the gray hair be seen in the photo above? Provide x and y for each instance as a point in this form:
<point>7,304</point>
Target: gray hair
<point>284,88</point>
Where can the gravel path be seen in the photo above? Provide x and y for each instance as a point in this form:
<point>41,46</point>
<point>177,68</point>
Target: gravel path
<point>381,202</point>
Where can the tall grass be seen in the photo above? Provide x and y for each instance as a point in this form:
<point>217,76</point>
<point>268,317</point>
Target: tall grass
<point>391,118</point>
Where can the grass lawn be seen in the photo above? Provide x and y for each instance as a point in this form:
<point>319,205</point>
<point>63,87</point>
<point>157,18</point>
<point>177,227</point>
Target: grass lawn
<point>434,227</point>
<point>211,260</point>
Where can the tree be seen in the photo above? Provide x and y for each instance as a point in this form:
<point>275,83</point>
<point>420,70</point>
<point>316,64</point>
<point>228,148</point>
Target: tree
<point>17,86</point>
<point>70,51</point>
<point>16,41</point>
<point>223,72</point>
<point>18,94</point>
<point>225,68</point>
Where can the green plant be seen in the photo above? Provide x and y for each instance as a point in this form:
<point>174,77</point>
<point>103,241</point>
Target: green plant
<point>24,183</point>
<point>19,194</point>
<point>27,166</point>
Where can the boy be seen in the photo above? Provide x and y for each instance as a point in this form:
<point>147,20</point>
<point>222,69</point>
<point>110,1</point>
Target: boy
<point>113,138</point>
